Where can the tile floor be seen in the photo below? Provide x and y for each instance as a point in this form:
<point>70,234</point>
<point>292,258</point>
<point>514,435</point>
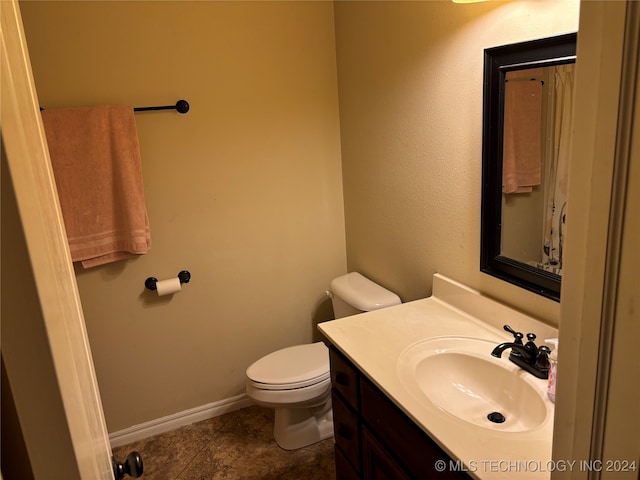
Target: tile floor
<point>234,446</point>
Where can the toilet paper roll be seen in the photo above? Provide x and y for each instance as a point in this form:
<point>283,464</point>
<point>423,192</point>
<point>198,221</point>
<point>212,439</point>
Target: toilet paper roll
<point>167,287</point>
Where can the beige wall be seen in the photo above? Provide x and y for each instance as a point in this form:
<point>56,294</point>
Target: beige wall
<point>410,83</point>
<point>244,191</point>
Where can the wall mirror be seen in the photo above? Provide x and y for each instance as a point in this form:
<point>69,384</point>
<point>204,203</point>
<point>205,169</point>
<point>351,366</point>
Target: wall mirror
<point>528,102</point>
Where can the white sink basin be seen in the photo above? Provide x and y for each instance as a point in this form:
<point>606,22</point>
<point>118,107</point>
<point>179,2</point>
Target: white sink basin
<point>459,376</point>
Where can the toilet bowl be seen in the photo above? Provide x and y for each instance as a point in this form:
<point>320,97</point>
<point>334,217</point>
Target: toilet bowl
<point>295,381</point>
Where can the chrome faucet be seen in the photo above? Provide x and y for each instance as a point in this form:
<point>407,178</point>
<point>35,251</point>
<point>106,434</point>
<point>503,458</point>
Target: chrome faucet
<point>529,357</point>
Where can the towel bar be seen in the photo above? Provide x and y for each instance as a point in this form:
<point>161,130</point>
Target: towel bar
<point>182,106</point>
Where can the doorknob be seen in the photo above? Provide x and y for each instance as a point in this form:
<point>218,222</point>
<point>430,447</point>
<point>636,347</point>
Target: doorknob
<point>132,466</point>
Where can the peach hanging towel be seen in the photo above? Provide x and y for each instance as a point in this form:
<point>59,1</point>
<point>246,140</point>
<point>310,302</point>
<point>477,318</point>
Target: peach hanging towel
<point>98,170</point>
<point>522,128</point>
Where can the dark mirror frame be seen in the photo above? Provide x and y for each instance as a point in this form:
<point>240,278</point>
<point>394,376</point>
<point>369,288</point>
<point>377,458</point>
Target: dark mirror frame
<point>498,61</point>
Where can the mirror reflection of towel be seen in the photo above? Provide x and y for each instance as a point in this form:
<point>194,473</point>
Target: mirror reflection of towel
<point>97,167</point>
<point>522,128</point>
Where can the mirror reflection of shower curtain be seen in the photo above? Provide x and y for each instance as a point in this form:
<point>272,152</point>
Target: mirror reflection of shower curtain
<point>557,154</point>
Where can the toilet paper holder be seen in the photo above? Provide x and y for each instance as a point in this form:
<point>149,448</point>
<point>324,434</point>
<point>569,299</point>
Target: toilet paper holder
<point>150,283</point>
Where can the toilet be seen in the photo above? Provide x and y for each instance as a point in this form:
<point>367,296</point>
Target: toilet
<point>295,381</point>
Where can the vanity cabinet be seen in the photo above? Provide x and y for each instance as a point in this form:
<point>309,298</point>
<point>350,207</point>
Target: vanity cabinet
<point>374,439</point>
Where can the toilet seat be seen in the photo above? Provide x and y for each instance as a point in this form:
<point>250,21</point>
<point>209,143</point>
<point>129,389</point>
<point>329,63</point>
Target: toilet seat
<point>291,368</point>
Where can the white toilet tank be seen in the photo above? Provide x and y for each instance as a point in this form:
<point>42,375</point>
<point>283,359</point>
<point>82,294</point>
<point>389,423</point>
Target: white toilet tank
<point>354,293</point>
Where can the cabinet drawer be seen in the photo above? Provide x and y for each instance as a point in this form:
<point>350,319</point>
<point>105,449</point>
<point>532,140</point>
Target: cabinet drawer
<point>377,464</point>
<point>407,444</point>
<point>346,430</point>
<point>344,377</point>
<point>344,470</point>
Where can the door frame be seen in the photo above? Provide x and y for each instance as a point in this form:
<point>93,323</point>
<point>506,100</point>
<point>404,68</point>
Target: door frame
<point>596,412</point>
<point>52,271</point>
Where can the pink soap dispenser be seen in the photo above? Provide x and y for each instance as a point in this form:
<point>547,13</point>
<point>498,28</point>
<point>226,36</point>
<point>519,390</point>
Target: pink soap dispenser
<point>553,368</point>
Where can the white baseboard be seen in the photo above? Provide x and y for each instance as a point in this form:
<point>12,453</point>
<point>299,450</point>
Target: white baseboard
<point>180,419</point>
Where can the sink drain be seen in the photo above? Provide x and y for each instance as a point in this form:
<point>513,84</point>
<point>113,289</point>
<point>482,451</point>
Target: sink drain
<point>496,417</point>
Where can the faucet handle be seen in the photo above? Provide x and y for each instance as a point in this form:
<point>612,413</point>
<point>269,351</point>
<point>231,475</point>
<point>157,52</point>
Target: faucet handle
<point>530,342</point>
<point>542,360</point>
<point>516,335</point>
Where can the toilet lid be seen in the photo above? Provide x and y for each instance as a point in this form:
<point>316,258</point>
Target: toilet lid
<point>292,367</point>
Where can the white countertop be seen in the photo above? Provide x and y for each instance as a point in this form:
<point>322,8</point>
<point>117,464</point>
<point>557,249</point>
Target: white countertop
<point>374,341</point>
